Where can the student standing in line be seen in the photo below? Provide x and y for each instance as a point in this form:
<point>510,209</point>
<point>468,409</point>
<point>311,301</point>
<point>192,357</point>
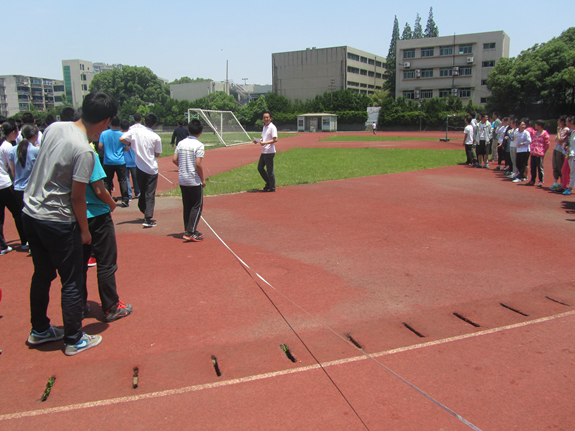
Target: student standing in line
<point>570,147</point>
<point>22,159</point>
<point>188,158</point>
<point>130,159</point>
<point>468,140</point>
<point>558,154</point>
<point>114,162</point>
<point>523,141</point>
<point>482,137</point>
<point>539,147</point>
<point>501,144</point>
<point>493,154</point>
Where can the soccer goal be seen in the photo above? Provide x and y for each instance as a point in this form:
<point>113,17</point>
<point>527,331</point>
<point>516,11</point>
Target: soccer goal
<point>223,124</point>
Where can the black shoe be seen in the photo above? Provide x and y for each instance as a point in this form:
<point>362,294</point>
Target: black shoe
<point>193,237</point>
<point>149,223</point>
<point>269,190</point>
<point>118,311</point>
<point>124,205</point>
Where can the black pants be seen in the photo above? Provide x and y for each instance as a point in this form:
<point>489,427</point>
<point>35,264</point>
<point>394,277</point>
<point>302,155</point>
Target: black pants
<point>508,161</point>
<point>192,199</point>
<point>56,247</point>
<point>120,171</point>
<point>269,177</point>
<point>147,200</point>
<point>8,200</point>
<point>105,251</point>
<point>522,159</point>
<point>536,168</point>
<point>501,156</point>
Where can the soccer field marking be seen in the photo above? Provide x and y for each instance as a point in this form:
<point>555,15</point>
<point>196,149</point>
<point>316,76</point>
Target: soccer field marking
<point>256,377</point>
<point>165,178</point>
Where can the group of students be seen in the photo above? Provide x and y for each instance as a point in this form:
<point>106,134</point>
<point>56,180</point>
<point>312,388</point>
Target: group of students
<point>58,192</point>
<point>513,142</point>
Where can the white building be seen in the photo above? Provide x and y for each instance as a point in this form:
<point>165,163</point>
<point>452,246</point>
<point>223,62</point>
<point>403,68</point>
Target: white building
<point>19,93</point>
<point>78,75</point>
<point>457,65</point>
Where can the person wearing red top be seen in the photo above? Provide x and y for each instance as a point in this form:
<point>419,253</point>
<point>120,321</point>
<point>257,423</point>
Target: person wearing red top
<point>539,147</point>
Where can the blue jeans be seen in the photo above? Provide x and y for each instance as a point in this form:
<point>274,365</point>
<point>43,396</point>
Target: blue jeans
<point>132,171</point>
<point>56,247</point>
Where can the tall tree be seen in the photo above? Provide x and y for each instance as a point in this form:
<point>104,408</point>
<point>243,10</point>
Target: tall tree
<point>391,59</point>
<point>431,29</point>
<point>417,30</point>
<point>406,35</point>
<point>187,79</point>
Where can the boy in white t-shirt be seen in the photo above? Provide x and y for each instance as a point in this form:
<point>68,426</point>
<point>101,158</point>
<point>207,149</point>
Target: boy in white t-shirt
<point>468,140</point>
<point>268,140</point>
<point>188,158</point>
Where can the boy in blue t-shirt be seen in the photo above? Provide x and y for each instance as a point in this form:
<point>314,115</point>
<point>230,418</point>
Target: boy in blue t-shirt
<point>99,207</point>
<point>130,160</point>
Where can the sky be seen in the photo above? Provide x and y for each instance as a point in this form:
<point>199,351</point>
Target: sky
<point>181,38</point>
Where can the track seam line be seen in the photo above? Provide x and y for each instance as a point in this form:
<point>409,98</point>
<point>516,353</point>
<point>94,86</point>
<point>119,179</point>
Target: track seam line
<point>195,388</point>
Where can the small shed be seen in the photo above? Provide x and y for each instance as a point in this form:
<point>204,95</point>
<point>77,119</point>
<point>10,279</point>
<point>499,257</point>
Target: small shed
<point>317,123</point>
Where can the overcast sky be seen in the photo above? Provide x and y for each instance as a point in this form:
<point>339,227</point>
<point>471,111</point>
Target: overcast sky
<point>182,38</point>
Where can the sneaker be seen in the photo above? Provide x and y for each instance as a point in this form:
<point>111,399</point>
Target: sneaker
<point>540,185</point>
<point>498,168</point>
<point>6,250</point>
<point>517,180</point>
<point>124,205</point>
<point>486,165</point>
<point>137,196</point>
<point>524,179</point>
<point>118,311</point>
<point>555,186</point>
<point>25,247</point>
<point>193,237</point>
<point>92,261</point>
<point>50,334</point>
<point>149,223</point>
<point>85,343</point>
<point>567,192</point>
<point>530,183</point>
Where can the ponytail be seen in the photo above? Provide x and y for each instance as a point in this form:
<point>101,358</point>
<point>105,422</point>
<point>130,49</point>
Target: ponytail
<point>28,132</point>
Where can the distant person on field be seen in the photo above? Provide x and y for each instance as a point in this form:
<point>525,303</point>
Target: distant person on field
<point>374,127</point>
<point>502,143</point>
<point>523,141</point>
<point>147,147</point>
<point>114,162</point>
<point>188,158</point>
<point>28,120</point>
<point>268,140</point>
<point>99,206</point>
<point>482,137</point>
<point>558,153</point>
<point>539,147</point>
<point>468,140</point>
<point>130,159</point>
<point>56,223</point>
<point>22,159</point>
<point>492,146</point>
<point>570,148</point>
<point>180,133</point>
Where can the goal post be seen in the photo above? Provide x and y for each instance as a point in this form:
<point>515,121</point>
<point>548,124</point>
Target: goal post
<point>223,124</point>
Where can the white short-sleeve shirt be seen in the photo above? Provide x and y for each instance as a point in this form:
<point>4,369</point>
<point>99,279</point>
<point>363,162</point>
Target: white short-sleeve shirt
<point>268,133</point>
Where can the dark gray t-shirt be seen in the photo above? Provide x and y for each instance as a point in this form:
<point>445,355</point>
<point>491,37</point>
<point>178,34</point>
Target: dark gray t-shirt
<point>65,156</point>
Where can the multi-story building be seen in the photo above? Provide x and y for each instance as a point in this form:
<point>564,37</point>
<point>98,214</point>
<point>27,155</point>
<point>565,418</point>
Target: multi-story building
<point>456,65</point>
<point>305,74</point>
<point>78,75</point>
<point>20,93</point>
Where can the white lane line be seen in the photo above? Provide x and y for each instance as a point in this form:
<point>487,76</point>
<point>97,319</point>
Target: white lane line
<point>165,178</point>
<point>196,388</point>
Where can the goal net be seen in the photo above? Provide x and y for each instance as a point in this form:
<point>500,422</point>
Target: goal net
<point>223,124</point>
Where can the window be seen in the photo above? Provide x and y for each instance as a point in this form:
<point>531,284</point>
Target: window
<point>354,90</point>
<point>370,86</point>
<point>58,88</point>
<point>466,49</point>
<point>83,77</point>
<point>446,71</point>
<point>36,81</point>
<point>19,88</point>
<point>81,67</point>
<point>408,74</point>
<point>363,72</point>
<point>427,52</point>
<point>363,85</point>
<point>352,84</point>
<point>483,100</point>
<point>426,94</point>
<point>409,95</point>
<point>372,74</point>
<point>378,64</point>
<point>489,45</point>
<point>353,56</point>
<point>465,92</point>
<point>363,59</point>
<point>444,92</point>
<point>427,73</point>
<point>377,87</point>
<point>465,71</point>
<point>446,50</point>
<point>490,63</point>
<point>23,105</point>
<point>23,97</point>
<point>84,87</point>
<point>378,75</point>
<point>352,69</point>
<point>363,91</point>
<point>371,61</point>
<point>409,53</point>
<point>484,82</point>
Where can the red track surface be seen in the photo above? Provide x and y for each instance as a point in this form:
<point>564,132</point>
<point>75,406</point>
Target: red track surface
<point>361,257</point>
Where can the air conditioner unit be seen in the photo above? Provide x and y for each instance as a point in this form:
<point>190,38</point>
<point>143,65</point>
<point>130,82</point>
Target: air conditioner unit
<point>417,73</point>
<point>454,91</point>
<point>407,64</point>
<point>455,70</point>
<point>416,94</point>
<point>470,59</point>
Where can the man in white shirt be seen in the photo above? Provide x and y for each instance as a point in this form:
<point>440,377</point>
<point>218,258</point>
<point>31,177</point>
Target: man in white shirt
<point>147,147</point>
<point>468,140</point>
<point>269,138</point>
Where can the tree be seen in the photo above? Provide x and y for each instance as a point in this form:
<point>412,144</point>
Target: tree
<point>391,61</point>
<point>542,76</point>
<point>417,30</point>
<point>134,85</point>
<point>431,29</point>
<point>379,96</point>
<point>406,35</point>
<point>187,80</point>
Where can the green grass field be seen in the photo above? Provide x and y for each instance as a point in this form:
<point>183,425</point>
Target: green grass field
<point>312,165</point>
<point>366,138</point>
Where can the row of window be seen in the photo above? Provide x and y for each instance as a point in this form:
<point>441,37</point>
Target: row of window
<point>353,90</point>
<point>443,92</point>
<point>364,59</point>
<point>363,72</point>
<point>445,50</point>
<point>357,84</point>
<point>444,71</point>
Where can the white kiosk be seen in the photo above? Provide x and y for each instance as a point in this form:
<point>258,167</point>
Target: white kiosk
<point>317,123</point>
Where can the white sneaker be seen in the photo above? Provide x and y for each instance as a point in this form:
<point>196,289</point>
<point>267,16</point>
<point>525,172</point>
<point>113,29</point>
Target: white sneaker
<point>85,343</point>
<point>517,180</point>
